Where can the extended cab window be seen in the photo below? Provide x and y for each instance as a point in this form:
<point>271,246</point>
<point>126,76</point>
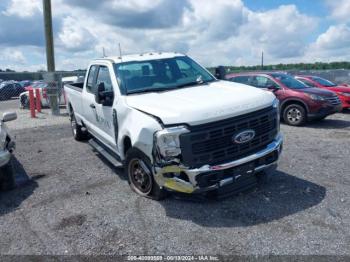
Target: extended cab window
<point>90,85</point>
<point>103,76</point>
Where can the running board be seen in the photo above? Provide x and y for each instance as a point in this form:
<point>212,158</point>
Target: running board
<point>101,150</point>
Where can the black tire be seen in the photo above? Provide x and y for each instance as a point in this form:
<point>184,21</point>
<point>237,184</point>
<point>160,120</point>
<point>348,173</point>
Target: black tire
<point>7,177</point>
<point>77,131</point>
<point>140,176</point>
<point>24,102</point>
<point>294,115</point>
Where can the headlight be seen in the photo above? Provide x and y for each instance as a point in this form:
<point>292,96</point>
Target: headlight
<point>276,103</point>
<point>316,97</point>
<point>344,94</point>
<point>168,142</point>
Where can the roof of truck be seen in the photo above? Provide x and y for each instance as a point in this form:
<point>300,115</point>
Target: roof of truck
<point>140,57</point>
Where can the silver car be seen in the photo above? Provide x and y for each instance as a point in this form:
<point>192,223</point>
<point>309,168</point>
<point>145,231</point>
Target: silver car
<point>7,146</point>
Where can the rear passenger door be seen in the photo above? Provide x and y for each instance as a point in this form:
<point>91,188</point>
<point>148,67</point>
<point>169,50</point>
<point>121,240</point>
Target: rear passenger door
<point>88,103</point>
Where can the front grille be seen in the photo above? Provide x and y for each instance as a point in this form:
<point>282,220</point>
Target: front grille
<point>333,100</point>
<point>213,143</point>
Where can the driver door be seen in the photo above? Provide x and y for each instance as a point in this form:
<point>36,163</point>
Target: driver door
<point>104,113</point>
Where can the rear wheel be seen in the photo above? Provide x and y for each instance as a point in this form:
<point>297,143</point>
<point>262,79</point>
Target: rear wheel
<point>24,101</point>
<point>140,176</point>
<point>294,115</point>
<point>78,133</point>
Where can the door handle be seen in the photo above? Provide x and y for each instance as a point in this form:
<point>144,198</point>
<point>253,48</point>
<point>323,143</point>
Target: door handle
<point>92,106</point>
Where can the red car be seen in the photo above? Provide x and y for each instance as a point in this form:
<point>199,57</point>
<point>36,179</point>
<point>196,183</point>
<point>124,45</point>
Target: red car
<point>298,102</point>
<point>342,91</point>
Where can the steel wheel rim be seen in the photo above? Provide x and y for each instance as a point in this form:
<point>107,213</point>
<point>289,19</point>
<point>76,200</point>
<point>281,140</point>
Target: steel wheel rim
<point>294,115</point>
<point>140,176</point>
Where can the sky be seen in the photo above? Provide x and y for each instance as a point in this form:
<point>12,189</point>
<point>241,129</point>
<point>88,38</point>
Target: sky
<point>221,32</point>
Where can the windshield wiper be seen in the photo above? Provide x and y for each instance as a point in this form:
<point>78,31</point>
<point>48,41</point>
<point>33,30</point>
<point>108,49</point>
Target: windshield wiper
<point>146,90</point>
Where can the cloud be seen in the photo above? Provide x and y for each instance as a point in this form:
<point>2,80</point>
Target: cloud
<point>135,14</point>
<point>220,32</point>
<point>11,55</point>
<point>332,45</point>
<point>75,37</point>
<point>340,10</point>
<point>23,8</point>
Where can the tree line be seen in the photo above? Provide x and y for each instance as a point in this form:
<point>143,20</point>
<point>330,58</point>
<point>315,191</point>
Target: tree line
<point>297,66</point>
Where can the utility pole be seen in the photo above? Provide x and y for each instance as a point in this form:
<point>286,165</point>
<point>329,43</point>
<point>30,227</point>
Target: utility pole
<point>50,77</point>
<point>262,60</point>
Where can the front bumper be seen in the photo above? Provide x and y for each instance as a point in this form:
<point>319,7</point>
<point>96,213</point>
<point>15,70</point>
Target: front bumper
<point>206,178</point>
<point>325,111</point>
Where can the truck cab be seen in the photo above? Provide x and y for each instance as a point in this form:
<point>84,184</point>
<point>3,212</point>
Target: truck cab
<point>174,126</point>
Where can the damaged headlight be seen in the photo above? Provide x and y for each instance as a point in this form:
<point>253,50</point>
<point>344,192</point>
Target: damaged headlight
<point>168,142</point>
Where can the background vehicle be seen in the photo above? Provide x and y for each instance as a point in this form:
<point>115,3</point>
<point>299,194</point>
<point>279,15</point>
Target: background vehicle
<point>174,126</point>
<point>9,89</point>
<point>42,86</point>
<point>299,102</point>
<point>7,145</point>
<point>342,91</point>
<point>25,83</point>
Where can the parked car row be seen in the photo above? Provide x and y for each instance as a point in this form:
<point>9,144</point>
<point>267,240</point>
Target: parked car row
<point>302,98</point>
<point>10,89</point>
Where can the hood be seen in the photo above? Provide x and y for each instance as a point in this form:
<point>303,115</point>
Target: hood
<point>202,104</point>
<point>315,91</point>
<point>343,89</point>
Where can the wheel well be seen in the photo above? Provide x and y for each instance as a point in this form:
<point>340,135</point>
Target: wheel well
<point>126,144</point>
<point>70,108</point>
<point>291,102</point>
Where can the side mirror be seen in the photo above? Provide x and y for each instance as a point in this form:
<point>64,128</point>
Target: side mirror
<point>273,87</point>
<point>220,72</point>
<point>99,93</point>
<point>9,116</point>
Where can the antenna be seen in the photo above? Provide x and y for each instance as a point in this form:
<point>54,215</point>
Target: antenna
<point>103,52</point>
<point>120,51</point>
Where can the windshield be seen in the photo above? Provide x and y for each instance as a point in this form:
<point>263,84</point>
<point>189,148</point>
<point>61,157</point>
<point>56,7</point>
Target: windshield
<point>289,81</point>
<point>160,75</point>
<point>323,81</point>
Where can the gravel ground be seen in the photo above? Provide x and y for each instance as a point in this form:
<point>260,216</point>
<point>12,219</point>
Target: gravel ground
<point>76,203</point>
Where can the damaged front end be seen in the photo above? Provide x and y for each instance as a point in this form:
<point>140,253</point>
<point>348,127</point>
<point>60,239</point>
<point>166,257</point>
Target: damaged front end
<point>170,173</point>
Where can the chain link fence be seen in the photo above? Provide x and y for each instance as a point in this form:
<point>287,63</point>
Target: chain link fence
<point>14,87</point>
<point>14,97</point>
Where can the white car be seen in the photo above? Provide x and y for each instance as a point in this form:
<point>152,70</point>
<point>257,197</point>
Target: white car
<point>44,98</point>
<point>174,126</point>
<point>7,145</point>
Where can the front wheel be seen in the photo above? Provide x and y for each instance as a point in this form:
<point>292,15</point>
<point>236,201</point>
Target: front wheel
<point>140,176</point>
<point>294,115</point>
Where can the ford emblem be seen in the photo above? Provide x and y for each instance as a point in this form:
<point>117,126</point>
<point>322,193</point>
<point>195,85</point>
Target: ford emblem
<point>244,136</point>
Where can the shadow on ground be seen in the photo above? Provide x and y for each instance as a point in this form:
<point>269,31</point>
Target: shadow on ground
<point>284,195</point>
<point>329,124</point>
<point>25,187</point>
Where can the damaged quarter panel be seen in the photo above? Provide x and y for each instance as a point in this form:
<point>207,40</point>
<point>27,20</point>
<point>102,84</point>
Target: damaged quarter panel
<point>139,127</point>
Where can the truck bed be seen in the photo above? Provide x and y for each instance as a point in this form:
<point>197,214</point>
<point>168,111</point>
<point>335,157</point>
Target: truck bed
<point>75,86</point>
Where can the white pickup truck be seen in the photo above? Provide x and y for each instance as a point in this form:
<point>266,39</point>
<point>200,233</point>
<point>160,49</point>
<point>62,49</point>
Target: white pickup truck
<point>174,126</point>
